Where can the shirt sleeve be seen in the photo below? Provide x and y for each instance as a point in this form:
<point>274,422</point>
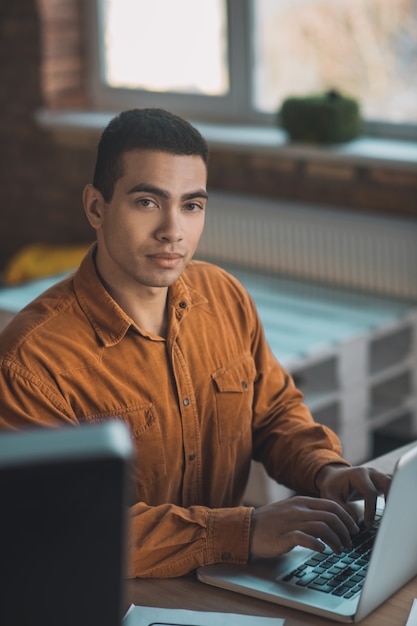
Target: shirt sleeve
<point>26,401</point>
<point>167,541</point>
<point>286,439</point>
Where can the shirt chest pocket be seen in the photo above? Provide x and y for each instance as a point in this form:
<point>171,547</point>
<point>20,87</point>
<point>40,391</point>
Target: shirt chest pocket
<point>234,397</point>
<point>144,426</point>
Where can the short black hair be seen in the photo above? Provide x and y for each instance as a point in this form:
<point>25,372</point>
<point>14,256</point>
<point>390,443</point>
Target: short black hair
<point>143,129</point>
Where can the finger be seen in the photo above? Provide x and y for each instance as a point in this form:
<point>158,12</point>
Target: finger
<point>322,533</point>
<point>353,513</point>
<point>369,492</point>
<point>338,539</point>
<point>330,522</point>
<point>381,481</point>
<point>339,510</point>
<point>299,538</point>
<point>370,485</point>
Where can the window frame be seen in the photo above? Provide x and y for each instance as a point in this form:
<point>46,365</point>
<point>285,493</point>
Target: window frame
<point>233,109</point>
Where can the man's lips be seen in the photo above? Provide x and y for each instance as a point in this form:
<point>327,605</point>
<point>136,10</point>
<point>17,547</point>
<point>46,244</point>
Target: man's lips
<point>166,259</point>
<point>166,255</point>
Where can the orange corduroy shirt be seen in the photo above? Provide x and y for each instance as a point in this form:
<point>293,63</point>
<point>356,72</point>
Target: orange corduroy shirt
<point>200,405</point>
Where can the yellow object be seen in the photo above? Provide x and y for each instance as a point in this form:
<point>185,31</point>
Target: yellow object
<point>39,260</point>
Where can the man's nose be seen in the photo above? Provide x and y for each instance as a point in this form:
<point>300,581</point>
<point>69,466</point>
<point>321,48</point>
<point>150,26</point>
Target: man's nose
<point>170,226</point>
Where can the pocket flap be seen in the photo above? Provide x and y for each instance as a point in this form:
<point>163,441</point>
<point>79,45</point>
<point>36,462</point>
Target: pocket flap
<point>236,377</point>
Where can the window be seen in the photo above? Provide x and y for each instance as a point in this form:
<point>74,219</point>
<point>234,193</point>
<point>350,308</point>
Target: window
<point>366,48</point>
<point>178,57</point>
<point>185,55</point>
<point>236,60</point>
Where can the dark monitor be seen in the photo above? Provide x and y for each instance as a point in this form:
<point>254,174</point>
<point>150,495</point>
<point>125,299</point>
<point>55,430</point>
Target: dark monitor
<point>63,499</point>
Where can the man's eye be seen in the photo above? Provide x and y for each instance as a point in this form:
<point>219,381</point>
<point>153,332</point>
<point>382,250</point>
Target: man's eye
<point>193,206</point>
<point>145,202</point>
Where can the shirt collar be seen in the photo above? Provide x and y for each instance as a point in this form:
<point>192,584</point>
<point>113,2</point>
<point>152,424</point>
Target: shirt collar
<point>182,298</point>
<point>107,318</point>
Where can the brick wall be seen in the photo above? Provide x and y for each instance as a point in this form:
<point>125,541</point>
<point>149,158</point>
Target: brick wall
<point>62,70</point>
<point>42,65</point>
<point>40,180</point>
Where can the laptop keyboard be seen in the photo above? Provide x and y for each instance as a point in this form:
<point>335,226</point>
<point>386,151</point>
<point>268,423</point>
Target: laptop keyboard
<point>338,574</point>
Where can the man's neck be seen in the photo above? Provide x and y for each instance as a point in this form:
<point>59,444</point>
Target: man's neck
<point>145,305</point>
<point>149,312</point>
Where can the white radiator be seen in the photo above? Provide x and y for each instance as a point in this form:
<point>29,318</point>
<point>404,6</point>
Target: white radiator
<point>330,245</point>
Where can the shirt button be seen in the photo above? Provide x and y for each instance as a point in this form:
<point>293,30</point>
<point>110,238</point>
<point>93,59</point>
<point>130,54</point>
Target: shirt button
<point>191,456</point>
<point>186,401</point>
<point>182,304</point>
<point>244,384</point>
<point>226,556</point>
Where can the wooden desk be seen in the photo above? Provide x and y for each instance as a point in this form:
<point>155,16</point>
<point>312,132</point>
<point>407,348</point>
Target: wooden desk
<point>189,593</point>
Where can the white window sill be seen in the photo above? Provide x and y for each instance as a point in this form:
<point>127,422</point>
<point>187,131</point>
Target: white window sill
<point>390,153</point>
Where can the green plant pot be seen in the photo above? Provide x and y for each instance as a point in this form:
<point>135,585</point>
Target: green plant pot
<point>323,118</point>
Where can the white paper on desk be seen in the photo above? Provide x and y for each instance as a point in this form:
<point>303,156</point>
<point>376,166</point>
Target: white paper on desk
<point>412,618</point>
<point>145,615</point>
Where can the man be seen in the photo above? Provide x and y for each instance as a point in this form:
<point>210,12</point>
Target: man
<point>175,349</point>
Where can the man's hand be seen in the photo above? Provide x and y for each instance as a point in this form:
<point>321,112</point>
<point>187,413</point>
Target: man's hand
<point>344,484</point>
<point>312,522</point>
<point>303,521</point>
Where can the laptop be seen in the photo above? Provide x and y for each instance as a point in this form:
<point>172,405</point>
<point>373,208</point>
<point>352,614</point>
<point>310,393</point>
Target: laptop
<point>346,591</point>
<point>62,525</point>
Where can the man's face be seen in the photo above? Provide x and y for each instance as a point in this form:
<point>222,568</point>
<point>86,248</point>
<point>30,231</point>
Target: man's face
<point>150,229</point>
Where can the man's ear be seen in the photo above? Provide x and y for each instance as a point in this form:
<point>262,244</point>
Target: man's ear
<point>93,206</point>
